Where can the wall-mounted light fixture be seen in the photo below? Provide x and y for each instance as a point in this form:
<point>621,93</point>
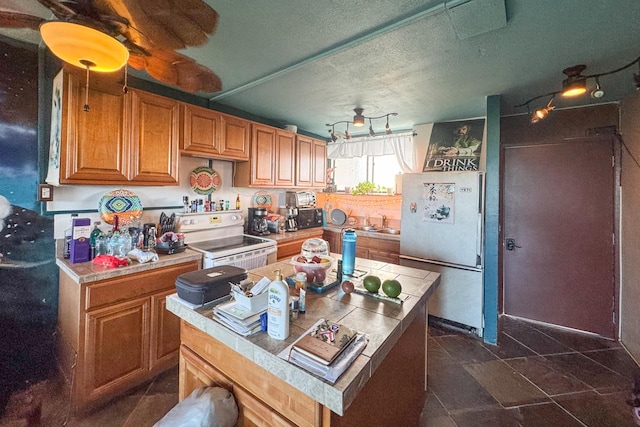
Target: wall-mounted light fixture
<point>575,84</point>
<point>359,121</point>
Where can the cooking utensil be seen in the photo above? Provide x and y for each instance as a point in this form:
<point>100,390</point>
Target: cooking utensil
<point>338,217</point>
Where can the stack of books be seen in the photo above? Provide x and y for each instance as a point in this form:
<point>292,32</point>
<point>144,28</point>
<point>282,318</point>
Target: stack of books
<point>238,318</point>
<point>326,349</point>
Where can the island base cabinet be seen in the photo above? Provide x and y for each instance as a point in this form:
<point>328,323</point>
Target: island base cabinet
<point>260,394</point>
<point>196,373</point>
<point>393,396</point>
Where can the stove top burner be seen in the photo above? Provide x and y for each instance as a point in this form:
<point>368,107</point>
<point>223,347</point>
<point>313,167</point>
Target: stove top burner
<point>227,243</point>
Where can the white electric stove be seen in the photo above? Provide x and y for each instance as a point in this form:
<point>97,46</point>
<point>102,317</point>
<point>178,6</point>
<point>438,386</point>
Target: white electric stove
<point>221,239</point>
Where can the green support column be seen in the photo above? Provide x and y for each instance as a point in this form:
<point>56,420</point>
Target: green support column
<point>491,221</point>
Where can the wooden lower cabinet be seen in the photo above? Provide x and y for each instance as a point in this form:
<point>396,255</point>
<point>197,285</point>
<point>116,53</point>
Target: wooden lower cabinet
<point>115,334</point>
<point>367,247</point>
<point>289,248</point>
<point>117,347</point>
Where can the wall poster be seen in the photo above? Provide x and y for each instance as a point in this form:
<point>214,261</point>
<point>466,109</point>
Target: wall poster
<point>439,203</point>
<point>455,146</point>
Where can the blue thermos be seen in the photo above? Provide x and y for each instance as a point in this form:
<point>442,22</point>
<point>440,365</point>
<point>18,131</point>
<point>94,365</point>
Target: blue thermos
<point>348,251</point>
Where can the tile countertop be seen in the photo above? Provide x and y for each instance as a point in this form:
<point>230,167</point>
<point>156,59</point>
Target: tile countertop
<point>383,322</point>
<point>87,272</point>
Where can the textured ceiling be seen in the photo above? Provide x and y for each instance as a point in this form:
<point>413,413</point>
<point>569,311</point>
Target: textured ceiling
<point>310,63</point>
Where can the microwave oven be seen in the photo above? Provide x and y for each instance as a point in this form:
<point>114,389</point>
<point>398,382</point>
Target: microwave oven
<point>300,199</point>
<point>308,218</point>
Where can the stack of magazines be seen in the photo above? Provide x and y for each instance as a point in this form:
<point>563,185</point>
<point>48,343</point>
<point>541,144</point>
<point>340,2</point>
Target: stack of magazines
<point>238,318</point>
<point>326,349</point>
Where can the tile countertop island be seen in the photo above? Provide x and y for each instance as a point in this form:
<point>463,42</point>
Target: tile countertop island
<point>386,384</point>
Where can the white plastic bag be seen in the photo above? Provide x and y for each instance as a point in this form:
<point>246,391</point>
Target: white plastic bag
<point>205,407</point>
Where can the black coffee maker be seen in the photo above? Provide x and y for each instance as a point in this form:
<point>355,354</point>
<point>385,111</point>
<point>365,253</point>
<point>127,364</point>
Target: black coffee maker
<point>257,222</point>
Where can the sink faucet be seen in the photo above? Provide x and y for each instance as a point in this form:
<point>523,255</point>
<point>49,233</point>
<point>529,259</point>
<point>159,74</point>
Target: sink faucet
<point>384,221</point>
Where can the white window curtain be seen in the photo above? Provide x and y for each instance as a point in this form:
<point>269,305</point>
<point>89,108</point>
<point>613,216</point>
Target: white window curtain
<point>401,145</point>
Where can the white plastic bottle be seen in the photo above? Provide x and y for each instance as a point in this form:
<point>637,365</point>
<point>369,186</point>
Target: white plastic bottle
<point>278,308</point>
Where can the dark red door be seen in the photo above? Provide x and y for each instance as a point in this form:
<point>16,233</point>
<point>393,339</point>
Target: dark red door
<point>558,253</point>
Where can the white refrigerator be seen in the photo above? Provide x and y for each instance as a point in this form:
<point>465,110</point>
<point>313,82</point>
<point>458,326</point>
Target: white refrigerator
<point>442,230</point>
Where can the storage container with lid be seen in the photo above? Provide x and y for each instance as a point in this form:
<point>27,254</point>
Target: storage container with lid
<point>313,247</point>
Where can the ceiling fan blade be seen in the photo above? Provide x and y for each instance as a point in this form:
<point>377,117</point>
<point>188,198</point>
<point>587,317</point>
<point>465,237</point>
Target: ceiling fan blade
<point>199,12</point>
<point>19,20</point>
<point>178,70</point>
<point>60,10</point>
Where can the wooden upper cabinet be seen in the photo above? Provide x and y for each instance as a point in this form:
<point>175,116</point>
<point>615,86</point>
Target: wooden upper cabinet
<point>209,133</point>
<point>272,160</point>
<point>319,159</point>
<point>200,131</point>
<point>304,163</point>
<point>154,138</point>
<point>285,159</point>
<point>93,144</point>
<point>263,150</point>
<point>236,133</point>
<point>282,159</point>
<point>311,162</point>
<point>123,138</point>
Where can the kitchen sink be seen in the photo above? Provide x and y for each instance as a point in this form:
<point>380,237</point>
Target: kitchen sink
<point>372,229</point>
<point>369,228</point>
<point>389,231</point>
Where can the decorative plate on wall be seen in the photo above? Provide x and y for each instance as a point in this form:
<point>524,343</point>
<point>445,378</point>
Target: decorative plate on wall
<point>262,199</point>
<point>124,203</point>
<point>204,180</point>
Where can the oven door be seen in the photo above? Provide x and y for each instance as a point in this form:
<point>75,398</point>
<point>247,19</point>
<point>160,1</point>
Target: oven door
<point>248,260</point>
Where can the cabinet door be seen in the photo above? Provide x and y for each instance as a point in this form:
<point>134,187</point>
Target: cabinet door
<point>117,347</point>
<point>93,147</point>
<point>263,155</point>
<point>201,131</point>
<point>196,373</point>
<point>304,162</point>
<point>319,156</point>
<point>334,239</point>
<point>154,138</point>
<point>165,333</point>
<point>285,158</point>
<point>235,134</point>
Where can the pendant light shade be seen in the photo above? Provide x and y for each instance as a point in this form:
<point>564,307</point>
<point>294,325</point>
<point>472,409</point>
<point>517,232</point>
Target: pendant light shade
<point>575,84</point>
<point>358,119</point>
<point>84,46</point>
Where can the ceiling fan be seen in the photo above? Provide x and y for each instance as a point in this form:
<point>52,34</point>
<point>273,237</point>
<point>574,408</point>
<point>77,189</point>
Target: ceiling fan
<point>151,30</point>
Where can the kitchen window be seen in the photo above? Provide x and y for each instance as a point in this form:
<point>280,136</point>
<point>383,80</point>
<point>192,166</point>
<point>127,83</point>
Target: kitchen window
<point>381,170</point>
<point>376,159</point>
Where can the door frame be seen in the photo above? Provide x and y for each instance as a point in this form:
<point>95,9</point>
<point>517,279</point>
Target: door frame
<point>617,155</point>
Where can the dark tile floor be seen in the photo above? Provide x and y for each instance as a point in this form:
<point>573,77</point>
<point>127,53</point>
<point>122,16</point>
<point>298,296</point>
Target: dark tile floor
<point>536,376</point>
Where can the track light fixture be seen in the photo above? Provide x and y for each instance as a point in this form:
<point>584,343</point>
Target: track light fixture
<point>542,113</point>
<point>359,121</point>
<point>598,92</point>
<point>575,84</point>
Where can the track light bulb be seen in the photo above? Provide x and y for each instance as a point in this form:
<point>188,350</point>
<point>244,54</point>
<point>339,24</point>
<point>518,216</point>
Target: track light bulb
<point>358,119</point>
